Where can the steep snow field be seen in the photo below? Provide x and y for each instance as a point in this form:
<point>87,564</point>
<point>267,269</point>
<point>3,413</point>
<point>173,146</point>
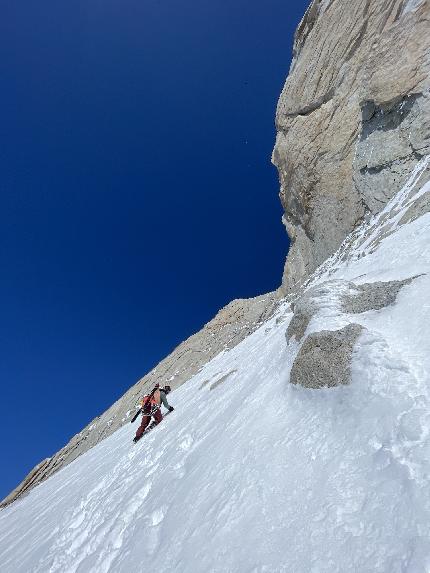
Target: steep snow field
<point>253,474</point>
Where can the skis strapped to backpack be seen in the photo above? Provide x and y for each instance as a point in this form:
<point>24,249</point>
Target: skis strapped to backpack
<point>134,418</point>
<point>148,398</point>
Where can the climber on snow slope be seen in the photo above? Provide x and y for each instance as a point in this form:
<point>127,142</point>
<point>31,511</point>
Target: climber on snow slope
<point>151,408</point>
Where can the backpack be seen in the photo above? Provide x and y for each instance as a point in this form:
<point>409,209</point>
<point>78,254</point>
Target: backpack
<point>149,404</point>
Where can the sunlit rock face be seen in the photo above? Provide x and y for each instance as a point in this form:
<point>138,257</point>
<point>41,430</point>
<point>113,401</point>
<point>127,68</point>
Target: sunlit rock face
<point>352,120</point>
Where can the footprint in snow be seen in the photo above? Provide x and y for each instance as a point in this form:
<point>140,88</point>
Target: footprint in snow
<point>152,535</point>
<point>157,516</point>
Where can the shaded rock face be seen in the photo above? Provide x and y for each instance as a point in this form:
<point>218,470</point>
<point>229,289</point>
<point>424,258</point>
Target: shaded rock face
<point>352,120</point>
<point>229,327</point>
<point>394,136</point>
<point>325,357</point>
<point>303,314</point>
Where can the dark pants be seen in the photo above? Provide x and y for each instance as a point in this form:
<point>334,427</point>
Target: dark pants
<point>146,418</point>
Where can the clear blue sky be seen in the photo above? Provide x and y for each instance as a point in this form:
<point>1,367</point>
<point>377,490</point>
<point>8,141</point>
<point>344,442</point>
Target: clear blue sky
<point>137,195</point>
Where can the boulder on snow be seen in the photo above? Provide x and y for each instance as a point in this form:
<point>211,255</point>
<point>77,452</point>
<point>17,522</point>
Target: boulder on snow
<point>324,359</point>
<point>372,296</point>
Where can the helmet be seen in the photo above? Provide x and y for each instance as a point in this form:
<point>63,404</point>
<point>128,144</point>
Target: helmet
<point>167,389</point>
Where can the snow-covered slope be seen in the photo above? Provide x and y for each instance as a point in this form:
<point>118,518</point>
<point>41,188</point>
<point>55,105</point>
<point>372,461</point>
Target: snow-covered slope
<point>253,474</point>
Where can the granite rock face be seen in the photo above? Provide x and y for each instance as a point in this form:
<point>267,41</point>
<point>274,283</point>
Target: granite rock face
<point>324,358</point>
<point>372,296</point>
<point>229,327</point>
<point>352,120</point>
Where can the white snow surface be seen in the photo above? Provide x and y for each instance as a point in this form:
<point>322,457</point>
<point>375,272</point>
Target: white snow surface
<point>255,475</point>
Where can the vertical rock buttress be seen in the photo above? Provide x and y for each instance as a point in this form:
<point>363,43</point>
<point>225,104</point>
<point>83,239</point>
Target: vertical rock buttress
<point>352,120</point>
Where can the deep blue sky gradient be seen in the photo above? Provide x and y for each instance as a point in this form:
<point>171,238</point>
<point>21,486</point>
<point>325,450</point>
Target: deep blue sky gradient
<point>136,194</point>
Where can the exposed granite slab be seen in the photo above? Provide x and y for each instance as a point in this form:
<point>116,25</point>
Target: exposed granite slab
<point>372,296</point>
<point>324,359</point>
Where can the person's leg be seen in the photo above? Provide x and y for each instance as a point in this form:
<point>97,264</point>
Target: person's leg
<point>145,421</point>
<point>158,416</point>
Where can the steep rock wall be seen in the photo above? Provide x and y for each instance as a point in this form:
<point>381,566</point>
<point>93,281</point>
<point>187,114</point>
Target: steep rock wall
<point>352,120</point>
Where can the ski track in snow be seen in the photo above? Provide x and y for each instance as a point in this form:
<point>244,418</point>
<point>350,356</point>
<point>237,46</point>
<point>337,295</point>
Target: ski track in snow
<point>253,475</point>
